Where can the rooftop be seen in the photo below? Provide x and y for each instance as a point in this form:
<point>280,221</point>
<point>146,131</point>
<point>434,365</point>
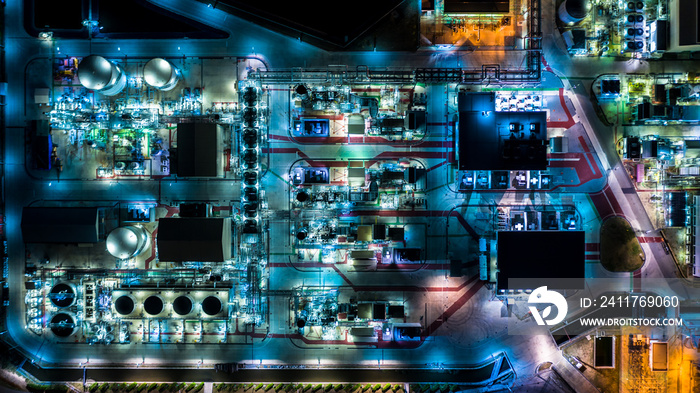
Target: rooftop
<point>490,140</point>
<point>538,258</point>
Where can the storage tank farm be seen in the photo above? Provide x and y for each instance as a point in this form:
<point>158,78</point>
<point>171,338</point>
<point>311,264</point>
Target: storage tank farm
<point>97,73</point>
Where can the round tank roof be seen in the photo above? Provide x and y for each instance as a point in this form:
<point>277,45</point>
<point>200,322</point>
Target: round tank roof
<point>182,305</point>
<point>158,72</point>
<point>577,8</point>
<point>211,305</point>
<point>95,72</point>
<point>153,305</point>
<point>62,295</point>
<point>63,325</point>
<point>123,242</point>
<point>124,305</point>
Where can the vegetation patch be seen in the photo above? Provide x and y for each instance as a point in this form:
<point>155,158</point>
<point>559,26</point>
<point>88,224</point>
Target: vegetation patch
<point>619,248</point>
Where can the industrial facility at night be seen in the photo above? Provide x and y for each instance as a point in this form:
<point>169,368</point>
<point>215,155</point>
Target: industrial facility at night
<point>430,196</point>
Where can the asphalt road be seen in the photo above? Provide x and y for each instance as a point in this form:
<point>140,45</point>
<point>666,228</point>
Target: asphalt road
<point>263,375</point>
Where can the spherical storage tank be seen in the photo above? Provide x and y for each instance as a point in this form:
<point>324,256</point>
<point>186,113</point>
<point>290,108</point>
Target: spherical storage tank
<point>573,11</point>
<point>161,74</point>
<point>97,73</point>
<point>124,305</point>
<point>127,242</point>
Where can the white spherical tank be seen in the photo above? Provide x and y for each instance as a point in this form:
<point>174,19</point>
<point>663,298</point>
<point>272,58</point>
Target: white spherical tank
<point>161,74</point>
<point>127,242</point>
<point>97,73</point>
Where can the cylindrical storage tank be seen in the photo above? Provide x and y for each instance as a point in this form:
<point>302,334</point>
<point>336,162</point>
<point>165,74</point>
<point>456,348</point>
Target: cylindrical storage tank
<point>153,305</point>
<point>183,305</point>
<point>97,73</point>
<point>161,74</point>
<point>211,305</point>
<point>62,295</point>
<point>127,242</point>
<point>573,11</point>
<point>63,324</point>
<point>125,305</point>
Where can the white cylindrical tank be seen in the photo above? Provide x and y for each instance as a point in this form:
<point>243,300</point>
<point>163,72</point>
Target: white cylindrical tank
<point>573,11</point>
<point>161,74</point>
<point>124,304</point>
<point>97,73</point>
<point>153,305</point>
<point>183,305</point>
<point>127,242</point>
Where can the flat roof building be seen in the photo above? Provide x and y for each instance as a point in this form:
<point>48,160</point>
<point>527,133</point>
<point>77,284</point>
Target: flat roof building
<point>198,149</point>
<point>61,225</point>
<point>530,259</point>
<point>490,140</point>
<point>194,239</point>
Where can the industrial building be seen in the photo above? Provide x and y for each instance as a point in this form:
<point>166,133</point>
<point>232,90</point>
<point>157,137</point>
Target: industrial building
<point>194,239</point>
<point>197,148</point>
<point>62,225</point>
<point>530,259</point>
<point>495,140</point>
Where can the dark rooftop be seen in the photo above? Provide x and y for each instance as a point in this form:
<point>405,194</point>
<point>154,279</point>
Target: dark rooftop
<point>688,26</point>
<point>60,225</point>
<point>194,239</point>
<point>64,18</point>
<point>196,149</point>
<point>541,258</point>
<point>490,140</point>
<point>477,6</point>
<point>336,25</point>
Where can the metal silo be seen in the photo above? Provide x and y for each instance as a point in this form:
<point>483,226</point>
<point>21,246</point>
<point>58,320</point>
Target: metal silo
<point>97,73</point>
<point>573,11</point>
<point>161,74</point>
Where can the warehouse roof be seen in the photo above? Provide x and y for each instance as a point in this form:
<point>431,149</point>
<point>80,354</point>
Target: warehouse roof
<point>60,225</point>
<point>530,259</point>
